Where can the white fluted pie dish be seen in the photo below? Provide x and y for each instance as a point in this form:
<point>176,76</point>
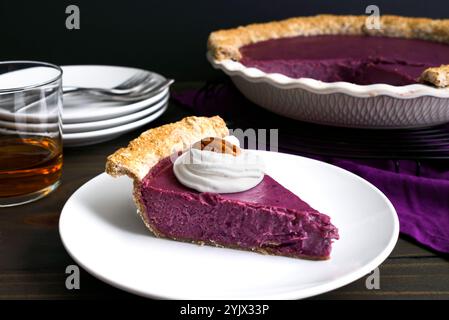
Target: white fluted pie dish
<point>308,68</point>
<point>340,103</point>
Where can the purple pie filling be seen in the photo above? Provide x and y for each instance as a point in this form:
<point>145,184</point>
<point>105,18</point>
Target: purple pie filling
<point>357,59</point>
<point>267,217</point>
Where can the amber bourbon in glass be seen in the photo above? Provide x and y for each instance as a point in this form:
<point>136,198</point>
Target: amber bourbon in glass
<point>30,131</point>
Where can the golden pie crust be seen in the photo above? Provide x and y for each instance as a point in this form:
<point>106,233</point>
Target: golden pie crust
<point>438,76</point>
<point>226,44</point>
<point>144,152</point>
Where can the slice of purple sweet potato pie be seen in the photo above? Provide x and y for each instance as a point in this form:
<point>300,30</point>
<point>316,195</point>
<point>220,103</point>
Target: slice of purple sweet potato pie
<point>206,203</point>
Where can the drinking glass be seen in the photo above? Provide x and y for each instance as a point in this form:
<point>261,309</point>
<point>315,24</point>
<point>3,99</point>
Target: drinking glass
<point>30,130</point>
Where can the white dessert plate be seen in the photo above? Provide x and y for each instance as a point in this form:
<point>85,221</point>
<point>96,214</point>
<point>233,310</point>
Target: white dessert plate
<point>100,229</point>
<point>97,136</point>
<point>79,108</point>
<point>109,123</point>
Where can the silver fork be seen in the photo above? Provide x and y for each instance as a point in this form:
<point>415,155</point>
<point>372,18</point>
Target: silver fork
<point>143,94</point>
<point>130,86</point>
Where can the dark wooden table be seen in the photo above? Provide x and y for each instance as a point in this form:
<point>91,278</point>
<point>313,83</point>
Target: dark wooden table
<point>33,260</point>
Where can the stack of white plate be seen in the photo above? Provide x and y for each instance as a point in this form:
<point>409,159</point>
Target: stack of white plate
<point>88,121</point>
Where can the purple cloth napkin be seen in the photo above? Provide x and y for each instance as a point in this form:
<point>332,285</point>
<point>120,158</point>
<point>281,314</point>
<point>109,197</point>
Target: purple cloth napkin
<point>422,202</point>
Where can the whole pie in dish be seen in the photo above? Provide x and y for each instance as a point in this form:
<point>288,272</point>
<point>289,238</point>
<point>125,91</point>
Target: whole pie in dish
<point>224,205</point>
<point>341,48</point>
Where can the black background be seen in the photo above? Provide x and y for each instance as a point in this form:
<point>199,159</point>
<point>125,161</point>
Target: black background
<point>165,36</point>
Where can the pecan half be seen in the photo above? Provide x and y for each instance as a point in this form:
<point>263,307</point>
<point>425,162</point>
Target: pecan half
<point>218,145</point>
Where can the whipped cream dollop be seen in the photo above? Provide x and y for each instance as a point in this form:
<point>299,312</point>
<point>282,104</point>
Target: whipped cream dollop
<point>209,171</point>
